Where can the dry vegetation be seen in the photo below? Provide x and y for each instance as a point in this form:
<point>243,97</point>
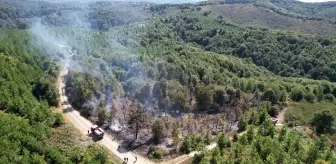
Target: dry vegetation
<point>249,14</point>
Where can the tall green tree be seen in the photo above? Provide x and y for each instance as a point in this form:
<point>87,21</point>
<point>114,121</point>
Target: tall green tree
<point>323,121</point>
<point>204,96</point>
<point>137,118</point>
<point>158,130</point>
<point>175,134</point>
<point>102,116</point>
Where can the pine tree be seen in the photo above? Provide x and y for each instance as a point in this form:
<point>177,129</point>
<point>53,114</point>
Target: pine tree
<point>137,118</point>
<point>175,134</point>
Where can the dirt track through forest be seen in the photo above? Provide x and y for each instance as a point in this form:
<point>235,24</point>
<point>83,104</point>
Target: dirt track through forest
<point>281,117</point>
<point>83,125</point>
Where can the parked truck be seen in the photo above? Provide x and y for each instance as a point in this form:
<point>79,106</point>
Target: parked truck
<point>98,132</point>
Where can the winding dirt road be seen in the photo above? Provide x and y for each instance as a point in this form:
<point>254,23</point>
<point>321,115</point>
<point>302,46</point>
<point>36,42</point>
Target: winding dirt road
<point>83,125</point>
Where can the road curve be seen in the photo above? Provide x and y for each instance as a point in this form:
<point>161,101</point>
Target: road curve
<point>83,125</point>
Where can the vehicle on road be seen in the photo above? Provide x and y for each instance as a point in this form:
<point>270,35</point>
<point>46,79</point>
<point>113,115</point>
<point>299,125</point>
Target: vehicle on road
<point>97,131</point>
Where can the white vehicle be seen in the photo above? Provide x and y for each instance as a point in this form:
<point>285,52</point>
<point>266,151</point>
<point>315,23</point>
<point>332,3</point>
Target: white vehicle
<point>97,131</point>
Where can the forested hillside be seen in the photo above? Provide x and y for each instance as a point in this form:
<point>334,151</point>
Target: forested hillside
<point>151,54</point>
<point>262,142</point>
<point>103,15</point>
<point>286,54</point>
<point>325,10</point>
<point>173,78</point>
<point>292,8</point>
<point>195,63</point>
<point>28,101</point>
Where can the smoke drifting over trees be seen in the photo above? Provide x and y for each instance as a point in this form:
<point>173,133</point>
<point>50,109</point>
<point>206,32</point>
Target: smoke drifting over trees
<point>130,63</point>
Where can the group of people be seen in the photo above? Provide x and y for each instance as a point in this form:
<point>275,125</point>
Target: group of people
<point>126,160</point>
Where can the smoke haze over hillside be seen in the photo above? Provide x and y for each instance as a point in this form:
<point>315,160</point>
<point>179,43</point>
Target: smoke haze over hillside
<point>316,1</point>
<point>152,1</point>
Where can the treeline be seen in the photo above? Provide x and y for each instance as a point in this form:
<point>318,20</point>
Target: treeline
<point>28,75</point>
<point>170,75</point>
<point>28,99</point>
<point>285,54</point>
<point>98,15</point>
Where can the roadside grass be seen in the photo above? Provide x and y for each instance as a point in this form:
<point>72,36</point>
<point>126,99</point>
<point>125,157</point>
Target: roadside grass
<point>69,140</point>
<point>301,113</point>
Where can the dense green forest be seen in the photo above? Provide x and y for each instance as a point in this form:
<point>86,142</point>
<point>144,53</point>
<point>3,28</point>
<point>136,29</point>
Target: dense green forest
<point>28,99</point>
<point>286,54</point>
<point>19,14</point>
<point>155,62</point>
<point>183,60</point>
<point>264,143</point>
<point>172,62</point>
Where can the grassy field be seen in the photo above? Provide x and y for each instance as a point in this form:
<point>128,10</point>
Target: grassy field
<point>303,112</point>
<point>68,140</point>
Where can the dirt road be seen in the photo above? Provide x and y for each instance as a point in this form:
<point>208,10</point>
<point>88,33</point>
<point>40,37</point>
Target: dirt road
<point>281,117</point>
<point>84,125</point>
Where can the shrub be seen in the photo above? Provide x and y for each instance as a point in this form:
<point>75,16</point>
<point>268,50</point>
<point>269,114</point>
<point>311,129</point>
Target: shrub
<point>329,97</point>
<point>273,111</point>
<point>323,121</point>
<point>297,94</point>
<point>235,137</point>
<point>310,97</point>
<point>155,152</point>
<point>191,143</point>
<point>242,123</point>
<point>58,120</point>
<point>223,141</point>
<point>158,130</point>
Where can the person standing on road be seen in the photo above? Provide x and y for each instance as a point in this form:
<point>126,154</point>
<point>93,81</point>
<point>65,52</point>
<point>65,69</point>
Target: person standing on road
<point>136,158</point>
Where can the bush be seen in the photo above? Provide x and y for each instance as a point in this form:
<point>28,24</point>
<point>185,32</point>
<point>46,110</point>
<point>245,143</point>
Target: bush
<point>235,137</point>
<point>329,97</point>
<point>158,131</point>
<point>310,97</point>
<point>223,142</point>
<point>323,121</point>
<point>270,95</point>
<point>273,111</point>
<point>155,152</point>
<point>297,94</point>
<point>242,123</point>
<point>191,143</point>
<point>58,120</point>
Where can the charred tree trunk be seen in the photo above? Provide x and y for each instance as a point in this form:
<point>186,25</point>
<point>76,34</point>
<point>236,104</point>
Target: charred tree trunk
<point>136,131</point>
